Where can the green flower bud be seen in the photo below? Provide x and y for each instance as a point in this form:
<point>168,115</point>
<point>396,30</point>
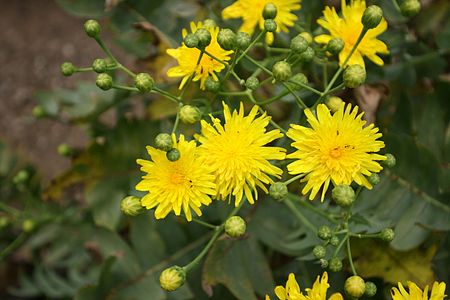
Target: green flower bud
<point>204,37</point>
<point>333,103</point>
<point>243,40</point>
<point>235,227</point>
<point>144,82</point>
<point>281,71</point>
<point>190,114</point>
<point>335,264</point>
<point>212,85</point>
<point>410,8</point>
<point>92,28</point>
<point>3,222</point>
<point>21,177</point>
<point>307,55</point>
<point>226,39</point>
<point>270,25</point>
<point>269,11</point>
<point>131,206</point>
<point>298,78</point>
<point>374,179</point>
<point>324,232</point>
<point>191,40</point>
<point>354,76</point>
<point>28,225</point>
<point>323,263</point>
<point>38,112</point>
<point>334,240</point>
<point>104,81</point>
<point>355,286</point>
<point>372,16</point>
<point>278,191</point>
<point>252,83</point>
<point>307,36</point>
<point>390,161</point>
<point>172,278</point>
<point>173,154</point>
<point>319,251</point>
<point>387,234</point>
<point>335,46</point>
<point>99,65</point>
<point>343,195</point>
<point>209,23</point>
<point>299,44</point>
<point>163,141</point>
<point>371,289</point>
<point>64,150</point>
<point>67,69</point>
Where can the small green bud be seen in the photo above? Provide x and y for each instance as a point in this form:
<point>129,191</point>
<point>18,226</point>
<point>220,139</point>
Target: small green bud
<point>298,78</point>
<point>67,69</point>
<point>173,154</point>
<point>323,263</point>
<point>269,11</point>
<point>104,81</point>
<point>270,25</point>
<point>372,16</point>
<point>343,195</point>
<point>191,40</point>
<point>281,71</point>
<point>299,44</point>
<point>371,289</point>
<point>390,161</point>
<point>319,251</point>
<point>163,141</point>
<point>410,8</point>
<point>21,177</point>
<point>4,221</point>
<point>92,28</point>
<point>204,37</point>
<point>324,232</point>
<point>144,82</point>
<point>307,36</point>
<point>38,112</point>
<point>334,103</point>
<point>209,23</point>
<point>99,65</point>
<point>335,46</point>
<point>190,114</point>
<point>335,264</point>
<point>65,150</point>
<point>235,227</point>
<point>131,206</point>
<point>226,39</point>
<point>243,40</point>
<point>172,278</point>
<point>354,76</point>
<point>28,225</point>
<point>374,179</point>
<point>334,240</point>
<point>387,234</point>
<point>355,286</point>
<point>212,85</point>
<point>278,191</point>
<point>307,55</point>
<point>252,83</point>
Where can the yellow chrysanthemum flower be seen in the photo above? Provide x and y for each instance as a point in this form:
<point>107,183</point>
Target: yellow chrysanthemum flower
<point>317,292</point>
<point>238,153</point>
<point>183,184</point>
<point>251,13</point>
<point>187,59</point>
<point>348,29</point>
<point>337,148</point>
<point>415,293</point>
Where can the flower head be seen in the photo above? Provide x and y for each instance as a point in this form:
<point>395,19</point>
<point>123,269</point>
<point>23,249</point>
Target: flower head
<point>415,293</point>
<point>336,148</point>
<point>251,13</point>
<point>238,153</point>
<point>188,57</point>
<point>172,186</point>
<point>348,29</point>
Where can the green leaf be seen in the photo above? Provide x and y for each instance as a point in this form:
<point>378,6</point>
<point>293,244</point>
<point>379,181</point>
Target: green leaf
<point>83,8</point>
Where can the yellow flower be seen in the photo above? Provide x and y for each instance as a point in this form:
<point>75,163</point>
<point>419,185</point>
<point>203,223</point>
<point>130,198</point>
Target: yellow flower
<point>348,29</point>
<point>238,153</point>
<point>317,292</point>
<point>188,57</point>
<point>415,293</point>
<point>337,148</point>
<point>251,13</point>
<point>183,184</point>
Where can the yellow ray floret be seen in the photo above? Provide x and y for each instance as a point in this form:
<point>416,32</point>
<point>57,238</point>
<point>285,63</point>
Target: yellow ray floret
<point>336,148</point>
<point>176,186</point>
<point>239,154</point>
<point>415,293</point>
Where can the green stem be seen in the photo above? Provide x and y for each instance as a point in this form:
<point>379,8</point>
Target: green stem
<point>295,178</point>
<point>9,209</point>
<point>299,215</point>
<point>273,99</point>
<point>125,88</point>
<point>297,98</point>
<point>87,69</point>
<point>251,45</point>
<point>350,258</point>
<point>215,58</point>
<point>320,212</point>
<point>325,76</point>
<point>165,94</point>
<point>338,248</point>
<point>177,121</point>
<point>13,245</point>
<point>111,56</point>
<point>206,224</point>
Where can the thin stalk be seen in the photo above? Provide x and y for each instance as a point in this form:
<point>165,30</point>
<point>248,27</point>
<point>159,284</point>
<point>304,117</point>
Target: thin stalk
<point>206,224</point>
<point>295,178</point>
<point>165,94</point>
<point>125,88</point>
<point>350,258</point>
<point>251,45</point>
<point>177,121</point>
<point>13,245</point>
<point>297,98</point>
<point>299,215</point>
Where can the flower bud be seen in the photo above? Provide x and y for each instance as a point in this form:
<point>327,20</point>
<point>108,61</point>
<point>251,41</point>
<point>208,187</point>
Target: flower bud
<point>335,264</point>
<point>354,76</point>
<point>252,83</point>
<point>235,227</point>
<point>92,28</point>
<point>226,39</point>
<point>104,81</point>
<point>65,150</point>
<point>390,161</point>
<point>270,25</point>
<point>278,191</point>
<point>190,114</point>
<point>243,40</point>
<point>204,37</point>
<point>334,103</point>
<point>212,85</point>
<point>355,286</point>
<point>323,263</point>
<point>99,65</point>
<point>335,46</point>
<point>21,177</point>
<point>131,206</point>
<point>38,112</point>
<point>28,225</point>
<point>281,71</point>
<point>372,16</point>
<point>3,222</point>
<point>172,278</point>
<point>297,78</point>
<point>191,40</point>
<point>173,154</point>
<point>387,234</point>
<point>307,55</point>
<point>269,11</point>
<point>67,69</point>
<point>334,240</point>
<point>324,232</point>
<point>343,195</point>
<point>307,36</point>
<point>371,289</point>
<point>163,141</point>
<point>299,44</point>
<point>410,8</point>
<point>319,251</point>
<point>374,179</point>
<point>209,23</point>
<point>144,82</point>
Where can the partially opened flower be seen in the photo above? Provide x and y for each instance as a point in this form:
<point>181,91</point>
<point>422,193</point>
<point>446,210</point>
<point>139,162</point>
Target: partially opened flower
<point>348,29</point>
<point>180,185</point>
<point>238,153</point>
<point>188,57</point>
<point>338,148</point>
<point>415,293</point>
<point>251,13</point>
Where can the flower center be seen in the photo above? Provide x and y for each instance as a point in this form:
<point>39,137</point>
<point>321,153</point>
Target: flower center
<point>336,152</point>
<point>177,178</point>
